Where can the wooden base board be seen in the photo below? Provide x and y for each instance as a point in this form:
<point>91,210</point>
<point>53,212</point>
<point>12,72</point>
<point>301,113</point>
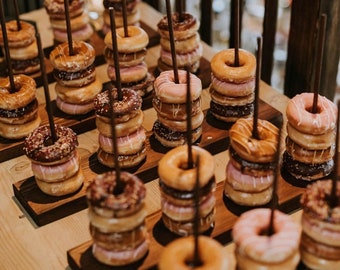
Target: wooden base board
<point>43,211</point>
<point>81,257</point>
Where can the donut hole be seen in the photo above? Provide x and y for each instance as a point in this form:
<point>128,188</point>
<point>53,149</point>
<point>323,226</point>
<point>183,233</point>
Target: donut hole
<point>232,64</point>
<point>190,262</point>
<point>185,165</point>
<point>310,109</point>
<point>48,141</point>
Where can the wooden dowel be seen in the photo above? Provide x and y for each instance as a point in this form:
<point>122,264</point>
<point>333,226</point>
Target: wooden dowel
<point>197,260</point>
<point>255,133</point>
<point>189,125</point>
<point>16,10</point>
<point>68,26</point>
<point>237,34</point>
<point>125,24</point>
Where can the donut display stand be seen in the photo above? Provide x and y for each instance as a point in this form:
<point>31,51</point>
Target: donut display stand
<point>45,209</point>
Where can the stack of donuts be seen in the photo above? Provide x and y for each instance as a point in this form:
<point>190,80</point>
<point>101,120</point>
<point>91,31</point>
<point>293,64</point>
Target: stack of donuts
<point>132,13</point>
<point>170,129</point>
<point>232,88</point>
<point>188,46</point>
<point>320,245</point>
<point>178,186</point>
<point>117,218</point>
<point>81,28</point>
<point>23,49</point>
<point>310,141</point>
<point>130,134</point>
<point>55,165</point>
<point>76,82</point>
<point>18,107</point>
<point>256,248</point>
<point>180,252</point>
<point>250,170</point>
<point>132,50</point>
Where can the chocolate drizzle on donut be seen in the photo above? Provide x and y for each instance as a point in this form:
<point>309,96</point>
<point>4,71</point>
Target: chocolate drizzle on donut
<point>20,111</point>
<point>232,111</point>
<point>169,134</point>
<point>180,22</point>
<point>68,76</point>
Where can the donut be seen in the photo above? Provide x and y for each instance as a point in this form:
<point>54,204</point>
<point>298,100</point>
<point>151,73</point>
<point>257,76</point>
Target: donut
<point>300,116</point>
<point>84,56</point>
<point>73,108</point>
<point>183,59</point>
<point>252,149</point>
<point>172,168</point>
<point>77,23</point>
<point>179,254</point>
<point>320,221</point>
<point>118,6</point>
<point>222,66</point>
<point>143,87</point>
<point>24,53</point>
<point>181,46</point>
<point>38,147</point>
<point>18,38</point>
<point>128,74</point>
<point>184,26</point>
<point>75,79</point>
<point>19,131</point>
<point>132,18</point>
<point>170,92</point>
<point>236,102</point>
<point>125,59</point>
<point>56,8</point>
<point>231,114</point>
<point>231,89</point>
<point>255,250</point>
<point>20,115</point>
<point>136,40</point>
<point>82,34</point>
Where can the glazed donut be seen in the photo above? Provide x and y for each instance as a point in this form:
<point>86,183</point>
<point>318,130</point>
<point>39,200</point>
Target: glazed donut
<point>38,149</point>
<point>299,114</point>
<point>231,89</point>
<point>182,46</point>
<point>136,40</point>
<point>125,161</point>
<point>179,254</point>
<point>310,141</point>
<point>128,74</point>
<point>100,195</point>
<point>19,131</point>
<point>25,92</point>
<point>143,87</point>
<point>183,27</point>
<point>170,92</point>
<point>77,22</point>
<point>308,156</point>
<point>18,38</point>
<point>58,172</point>
<point>314,262</point>
<point>79,95</point>
<point>175,111</point>
<point>222,100</point>
<point>24,53</point>
<point>223,69</point>
<point>172,138</point>
<point>125,59</point>
<point>181,126</point>
<point>254,249</point>
<point>127,145</point>
<point>72,108</point>
<point>131,102</point>
<point>170,168</point>
<point>64,187</point>
<point>84,56</point>
<point>132,18</point>
<point>122,129</point>
<point>251,149</point>
<point>81,34</point>
<point>56,9</point>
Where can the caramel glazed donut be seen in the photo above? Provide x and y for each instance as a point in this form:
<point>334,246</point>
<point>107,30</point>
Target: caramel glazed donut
<point>23,47</point>
<point>130,134</point>
<point>250,170</point>
<point>18,109</point>
<point>76,82</point>
<point>232,88</point>
<point>320,240</point>
<point>55,165</point>
<point>131,53</point>
<point>170,128</point>
<point>117,218</point>
<point>310,144</point>
<point>179,254</point>
<point>177,186</point>
<point>255,250</point>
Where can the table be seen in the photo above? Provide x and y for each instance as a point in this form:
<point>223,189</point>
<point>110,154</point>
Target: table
<point>24,245</point>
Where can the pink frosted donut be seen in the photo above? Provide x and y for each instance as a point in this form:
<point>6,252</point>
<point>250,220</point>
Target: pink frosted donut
<point>299,114</point>
<point>127,145</point>
<point>128,74</point>
<point>170,92</point>
<point>233,89</point>
<point>184,59</point>
<point>74,109</point>
<point>250,241</point>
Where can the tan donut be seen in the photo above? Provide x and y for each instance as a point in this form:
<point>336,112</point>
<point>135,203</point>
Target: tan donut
<point>249,148</point>
<point>125,59</point>
<point>182,46</point>
<point>56,9</point>
<point>128,75</point>
<point>132,18</point>
<point>19,131</point>
<point>314,262</point>
<point>84,56</point>
<point>223,69</point>
<point>231,89</point>
<point>79,95</point>
<point>77,22</point>
<point>299,114</point>
<point>310,141</point>
<point>230,101</point>
<point>171,168</point>
<point>179,253</point>
<point>182,60</point>
<point>24,53</point>
<point>25,92</point>
<point>136,40</point>
<point>18,38</point>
